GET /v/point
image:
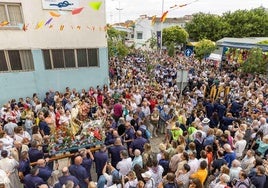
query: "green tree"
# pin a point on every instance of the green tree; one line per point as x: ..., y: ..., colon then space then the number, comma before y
x: 256, y: 62
x: 171, y: 49
x: 203, y: 48
x: 152, y: 41
x: 247, y: 23
x: 116, y: 45
x: 206, y: 26
x: 175, y: 35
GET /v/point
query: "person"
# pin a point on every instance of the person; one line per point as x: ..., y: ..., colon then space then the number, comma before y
x: 17, y: 150
x: 149, y: 181
x: 10, y: 165
x: 138, y: 143
x: 164, y: 162
x: 100, y: 159
x: 235, y: 169
x: 183, y: 176
x: 43, y: 126
x: 201, y: 173
x: 4, y: 180
x: 32, y: 180
x: 195, y: 183
x: 263, y: 146
x: 24, y: 167
x: 169, y: 181
x: 137, y: 160
x: 88, y: 158
x: 35, y: 152
x: 66, y: 176
x: 223, y: 183
x: 115, y: 150
x: 218, y: 163
x: 242, y: 182
x: 79, y: 172
x: 230, y: 155
x: 259, y: 178
x: 109, y: 177
x: 154, y: 120
x: 124, y: 166
x: 44, y: 171
x: 248, y: 161
x: 9, y: 127
x: 6, y: 140
x: 213, y: 179
x: 131, y: 179
x: 240, y: 145
x: 129, y: 135
x: 156, y: 171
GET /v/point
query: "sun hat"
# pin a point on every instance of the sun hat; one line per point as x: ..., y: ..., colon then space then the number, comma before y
x: 205, y: 121
x: 146, y: 174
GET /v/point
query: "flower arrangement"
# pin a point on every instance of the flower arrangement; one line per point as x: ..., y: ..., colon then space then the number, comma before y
x: 63, y: 140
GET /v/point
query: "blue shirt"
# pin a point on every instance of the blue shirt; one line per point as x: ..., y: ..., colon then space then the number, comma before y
x: 100, y: 159
x: 44, y: 172
x: 87, y: 163
x: 63, y: 180
x: 115, y: 154
x: 24, y: 167
x: 129, y: 135
x: 44, y: 127
x: 31, y: 181
x: 80, y: 173
x: 138, y: 143
x: 35, y: 154
x: 229, y: 157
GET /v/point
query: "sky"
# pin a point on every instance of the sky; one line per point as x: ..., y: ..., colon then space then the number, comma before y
x: 132, y: 9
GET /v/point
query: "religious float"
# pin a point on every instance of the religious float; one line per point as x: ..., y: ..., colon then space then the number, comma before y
x: 77, y: 136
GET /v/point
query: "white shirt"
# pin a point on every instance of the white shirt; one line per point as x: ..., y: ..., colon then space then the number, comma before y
x: 124, y: 166
x: 194, y: 164
x: 240, y: 146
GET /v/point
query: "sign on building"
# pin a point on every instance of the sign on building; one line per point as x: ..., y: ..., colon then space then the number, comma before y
x: 60, y: 4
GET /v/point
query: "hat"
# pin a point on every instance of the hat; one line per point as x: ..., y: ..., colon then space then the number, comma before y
x: 146, y: 174
x: 205, y: 121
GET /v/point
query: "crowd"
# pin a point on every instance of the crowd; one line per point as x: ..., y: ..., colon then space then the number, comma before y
x: 215, y: 131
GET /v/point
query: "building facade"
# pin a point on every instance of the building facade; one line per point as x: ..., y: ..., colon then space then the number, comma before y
x: 144, y: 28
x: 51, y: 44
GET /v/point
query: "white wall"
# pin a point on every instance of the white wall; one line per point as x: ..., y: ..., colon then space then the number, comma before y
x: 54, y: 38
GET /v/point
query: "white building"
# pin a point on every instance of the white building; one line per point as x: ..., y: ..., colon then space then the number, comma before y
x: 144, y: 29
x: 44, y: 45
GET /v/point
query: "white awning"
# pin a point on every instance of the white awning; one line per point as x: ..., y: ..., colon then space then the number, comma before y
x: 216, y: 57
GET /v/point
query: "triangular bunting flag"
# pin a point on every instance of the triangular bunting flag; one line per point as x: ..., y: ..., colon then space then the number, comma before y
x: 48, y: 22
x: 95, y: 5
x: 40, y: 24
x: 54, y: 14
x: 77, y: 11
x: 164, y: 16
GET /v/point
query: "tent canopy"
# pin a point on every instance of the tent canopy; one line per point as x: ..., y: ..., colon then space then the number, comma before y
x: 244, y: 43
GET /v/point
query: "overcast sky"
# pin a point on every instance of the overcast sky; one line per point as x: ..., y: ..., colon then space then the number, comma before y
x: 132, y: 9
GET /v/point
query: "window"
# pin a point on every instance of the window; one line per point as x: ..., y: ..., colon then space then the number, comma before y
x: 70, y: 58
x: 16, y: 60
x: 3, y: 62
x: 139, y: 35
x: 12, y: 13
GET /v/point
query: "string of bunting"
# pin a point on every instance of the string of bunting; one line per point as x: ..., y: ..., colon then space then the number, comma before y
x: 96, y: 5
x: 164, y: 15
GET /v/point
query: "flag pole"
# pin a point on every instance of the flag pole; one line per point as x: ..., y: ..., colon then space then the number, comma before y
x: 161, y: 28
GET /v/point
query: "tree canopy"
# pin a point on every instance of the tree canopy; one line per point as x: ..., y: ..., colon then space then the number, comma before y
x: 204, y: 48
x: 116, y: 46
x: 175, y: 35
x: 241, y: 23
x: 256, y: 62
